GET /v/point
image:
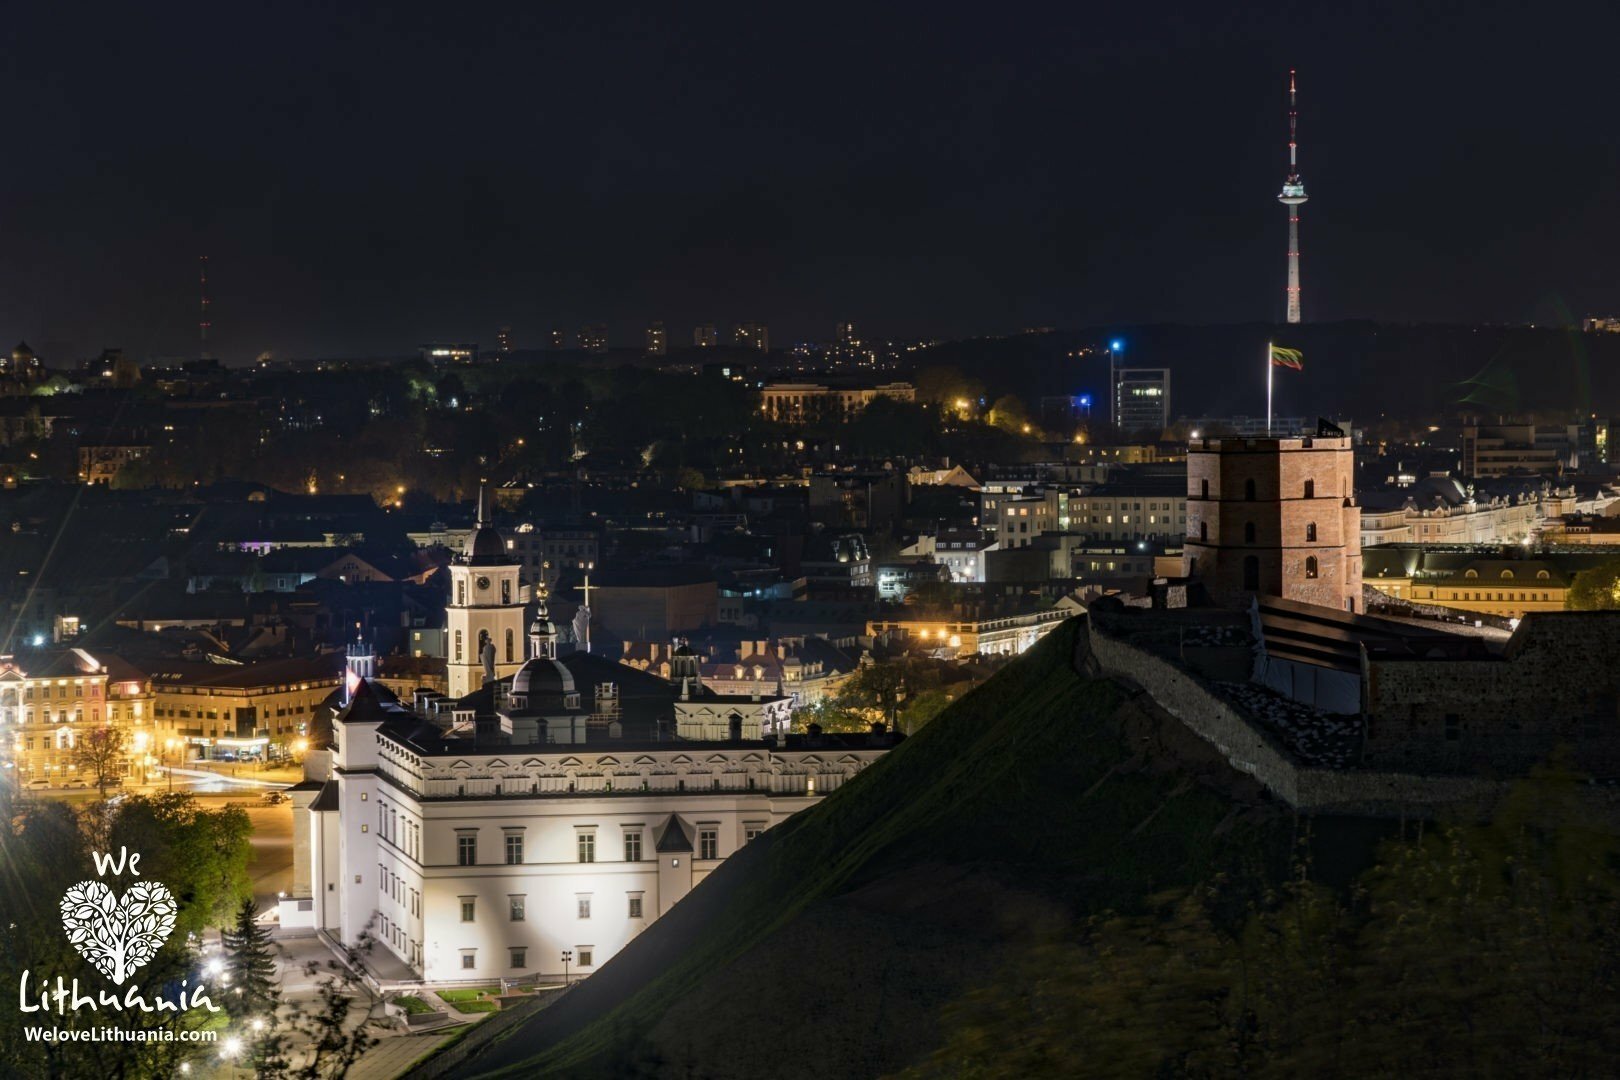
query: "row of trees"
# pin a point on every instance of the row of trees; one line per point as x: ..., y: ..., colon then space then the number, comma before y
x: 903, y: 694
x: 1467, y: 950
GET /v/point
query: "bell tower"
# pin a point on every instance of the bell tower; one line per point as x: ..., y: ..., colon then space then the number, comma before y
x: 484, y: 618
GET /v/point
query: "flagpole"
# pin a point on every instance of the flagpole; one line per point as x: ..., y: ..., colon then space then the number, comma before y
x: 1269, y: 367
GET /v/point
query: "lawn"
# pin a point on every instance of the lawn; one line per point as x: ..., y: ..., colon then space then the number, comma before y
x: 482, y: 1005
x: 413, y: 1005
x: 467, y: 994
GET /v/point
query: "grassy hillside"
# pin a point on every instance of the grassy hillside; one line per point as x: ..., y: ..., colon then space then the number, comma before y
x: 829, y: 946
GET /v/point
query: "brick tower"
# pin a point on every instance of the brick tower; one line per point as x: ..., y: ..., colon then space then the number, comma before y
x: 1276, y: 517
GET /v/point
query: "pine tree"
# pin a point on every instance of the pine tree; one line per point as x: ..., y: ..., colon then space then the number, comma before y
x: 251, y: 963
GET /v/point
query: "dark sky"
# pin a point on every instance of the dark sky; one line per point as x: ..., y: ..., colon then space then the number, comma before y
x: 365, y: 179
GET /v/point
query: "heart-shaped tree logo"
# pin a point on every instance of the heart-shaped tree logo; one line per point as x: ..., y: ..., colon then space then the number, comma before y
x: 118, y: 935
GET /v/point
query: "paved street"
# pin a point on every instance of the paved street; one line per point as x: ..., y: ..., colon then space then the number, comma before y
x: 271, y: 863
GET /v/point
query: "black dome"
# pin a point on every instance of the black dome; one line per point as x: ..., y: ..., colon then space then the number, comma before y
x: 485, y: 547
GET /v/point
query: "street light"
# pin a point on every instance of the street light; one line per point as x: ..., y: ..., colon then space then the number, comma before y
x: 1115, y: 347
x: 567, y: 958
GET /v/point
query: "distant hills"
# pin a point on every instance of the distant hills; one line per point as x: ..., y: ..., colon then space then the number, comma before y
x: 1352, y: 369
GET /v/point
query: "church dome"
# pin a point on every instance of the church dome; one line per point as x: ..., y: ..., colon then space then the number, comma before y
x: 485, y: 546
x: 541, y: 675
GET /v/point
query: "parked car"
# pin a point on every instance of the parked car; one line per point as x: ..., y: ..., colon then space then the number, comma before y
x: 275, y: 798
x: 38, y: 784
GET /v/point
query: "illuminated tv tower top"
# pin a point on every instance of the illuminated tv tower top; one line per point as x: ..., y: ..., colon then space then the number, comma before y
x: 1293, y: 193
x: 1293, y: 190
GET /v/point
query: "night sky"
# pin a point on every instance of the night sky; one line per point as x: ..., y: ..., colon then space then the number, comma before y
x: 368, y: 179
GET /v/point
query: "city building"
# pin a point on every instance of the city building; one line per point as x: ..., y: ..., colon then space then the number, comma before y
x: 594, y: 338
x: 557, y: 339
x: 1445, y: 510
x: 963, y: 551
x: 450, y: 353
x: 261, y: 711
x: 484, y: 615
x: 518, y: 834
x: 1275, y: 517
x: 503, y: 339
x: 1133, y: 507
x: 705, y: 336
x: 797, y: 403
x: 657, y: 339
x: 53, y: 699
x: 101, y: 460
x: 997, y: 631
x: 1142, y: 399
x: 752, y: 336
x: 1490, y: 450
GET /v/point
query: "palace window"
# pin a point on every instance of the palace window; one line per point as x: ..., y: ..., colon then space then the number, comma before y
x: 468, y: 959
x: 468, y: 908
x: 584, y: 907
x: 635, y: 907
x: 587, y: 846
x: 632, y: 846
x: 514, y: 849
x: 466, y: 851
x: 708, y: 844
x: 520, y: 958
x: 516, y: 908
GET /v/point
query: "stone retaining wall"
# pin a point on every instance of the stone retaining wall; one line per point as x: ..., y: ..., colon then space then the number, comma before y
x: 1251, y: 749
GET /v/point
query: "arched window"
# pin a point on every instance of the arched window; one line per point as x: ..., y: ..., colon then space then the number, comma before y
x: 1310, y: 532
x: 1251, y: 573
x: 1203, y: 489
x: 1507, y: 575
x: 1471, y: 573
x: 1248, y: 532
x: 1310, y: 566
x: 1203, y: 530
x: 509, y: 653
x: 1248, y: 490
x: 1542, y: 575
x: 1310, y: 489
x: 458, y: 646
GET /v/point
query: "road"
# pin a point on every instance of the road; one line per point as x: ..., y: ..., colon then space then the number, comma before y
x: 270, y: 865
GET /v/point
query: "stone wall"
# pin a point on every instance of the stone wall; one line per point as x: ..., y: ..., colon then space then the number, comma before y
x: 1252, y: 750
x: 1557, y: 683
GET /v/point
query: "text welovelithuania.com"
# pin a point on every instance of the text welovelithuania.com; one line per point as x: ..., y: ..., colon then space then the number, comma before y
x: 36, y: 1033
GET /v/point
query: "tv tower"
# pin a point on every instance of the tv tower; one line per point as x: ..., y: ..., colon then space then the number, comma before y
x: 202, y: 322
x: 1293, y: 194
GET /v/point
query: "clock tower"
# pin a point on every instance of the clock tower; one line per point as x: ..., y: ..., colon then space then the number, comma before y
x: 484, y: 617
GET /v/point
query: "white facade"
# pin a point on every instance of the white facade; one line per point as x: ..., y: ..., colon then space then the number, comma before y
x: 489, y: 864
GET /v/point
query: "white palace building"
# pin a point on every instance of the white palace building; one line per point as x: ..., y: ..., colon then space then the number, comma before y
x: 560, y: 808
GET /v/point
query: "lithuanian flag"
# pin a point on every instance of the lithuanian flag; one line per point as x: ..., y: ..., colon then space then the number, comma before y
x: 1288, y: 358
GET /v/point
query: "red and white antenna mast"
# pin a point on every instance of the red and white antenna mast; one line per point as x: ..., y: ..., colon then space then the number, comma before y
x: 202, y: 321
x: 1293, y: 195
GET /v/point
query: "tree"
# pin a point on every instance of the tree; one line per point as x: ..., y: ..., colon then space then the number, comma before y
x: 251, y: 962
x: 1595, y: 589
x: 1009, y: 414
x: 101, y: 753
